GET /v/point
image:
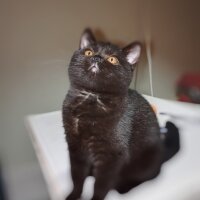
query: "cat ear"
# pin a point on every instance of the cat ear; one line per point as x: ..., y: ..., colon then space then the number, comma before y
x: 87, y: 38
x: 132, y: 52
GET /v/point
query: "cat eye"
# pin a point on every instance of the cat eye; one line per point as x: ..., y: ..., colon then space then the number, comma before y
x: 88, y: 53
x: 113, y: 60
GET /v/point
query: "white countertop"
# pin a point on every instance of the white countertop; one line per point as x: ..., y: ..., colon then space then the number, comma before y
x: 179, y: 178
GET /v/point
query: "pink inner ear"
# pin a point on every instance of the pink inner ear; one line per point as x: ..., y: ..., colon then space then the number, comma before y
x: 84, y: 41
x: 87, y: 38
x: 133, y: 55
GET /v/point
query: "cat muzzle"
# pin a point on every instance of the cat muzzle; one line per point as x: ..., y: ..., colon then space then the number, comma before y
x: 94, y: 67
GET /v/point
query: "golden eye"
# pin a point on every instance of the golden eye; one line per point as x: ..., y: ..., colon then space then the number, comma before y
x: 113, y: 60
x: 88, y: 53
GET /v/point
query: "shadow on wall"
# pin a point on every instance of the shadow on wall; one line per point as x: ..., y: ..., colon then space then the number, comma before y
x: 3, y: 195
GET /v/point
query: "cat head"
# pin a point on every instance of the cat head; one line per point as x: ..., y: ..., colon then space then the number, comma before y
x: 103, y: 67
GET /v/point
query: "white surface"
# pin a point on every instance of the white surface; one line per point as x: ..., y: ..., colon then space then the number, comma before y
x: 179, y: 178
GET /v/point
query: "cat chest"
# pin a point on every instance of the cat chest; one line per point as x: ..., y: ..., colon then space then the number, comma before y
x: 86, y: 102
x: 87, y: 126
x: 95, y: 139
x: 95, y: 149
x: 91, y: 114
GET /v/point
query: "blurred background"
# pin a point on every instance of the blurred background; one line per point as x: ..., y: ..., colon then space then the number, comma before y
x: 37, y: 39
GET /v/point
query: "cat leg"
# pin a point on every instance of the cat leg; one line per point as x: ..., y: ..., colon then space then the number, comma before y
x: 126, y: 186
x: 103, y: 183
x: 132, y: 177
x: 79, y: 171
x: 105, y: 177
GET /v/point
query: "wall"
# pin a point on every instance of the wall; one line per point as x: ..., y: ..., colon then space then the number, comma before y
x: 174, y: 31
x: 38, y: 38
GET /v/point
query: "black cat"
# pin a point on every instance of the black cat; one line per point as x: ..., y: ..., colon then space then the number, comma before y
x: 112, y: 131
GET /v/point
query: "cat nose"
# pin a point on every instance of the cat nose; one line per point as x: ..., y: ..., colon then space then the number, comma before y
x: 97, y: 59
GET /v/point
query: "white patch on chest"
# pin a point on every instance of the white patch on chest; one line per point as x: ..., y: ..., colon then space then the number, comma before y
x: 86, y: 95
x: 101, y: 104
x: 76, y: 124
